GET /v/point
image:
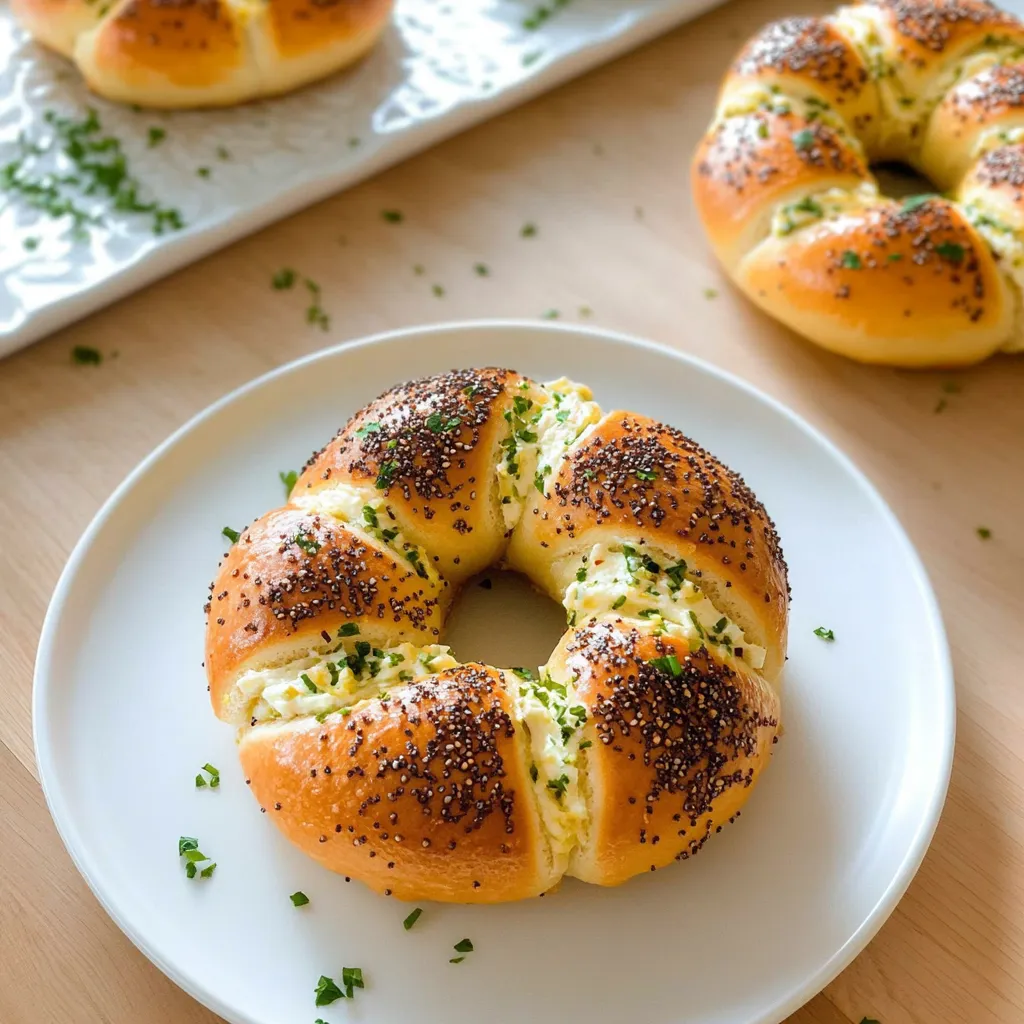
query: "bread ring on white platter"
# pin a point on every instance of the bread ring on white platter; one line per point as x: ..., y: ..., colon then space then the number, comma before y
x: 379, y: 755
x: 204, y: 53
x: 783, y: 186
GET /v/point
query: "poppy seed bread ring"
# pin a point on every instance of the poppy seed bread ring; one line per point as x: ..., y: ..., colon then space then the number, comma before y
x: 383, y: 758
x: 782, y: 182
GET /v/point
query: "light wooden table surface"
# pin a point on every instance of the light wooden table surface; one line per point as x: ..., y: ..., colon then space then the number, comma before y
x: 600, y: 167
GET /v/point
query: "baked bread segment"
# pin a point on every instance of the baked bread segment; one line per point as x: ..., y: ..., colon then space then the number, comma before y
x: 424, y: 793
x: 429, y: 449
x: 294, y: 580
x: 204, y: 53
x: 636, y: 482
x: 675, y: 737
x: 900, y: 285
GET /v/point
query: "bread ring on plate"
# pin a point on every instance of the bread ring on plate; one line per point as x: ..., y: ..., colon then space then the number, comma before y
x: 383, y: 758
x: 204, y: 53
x: 783, y: 187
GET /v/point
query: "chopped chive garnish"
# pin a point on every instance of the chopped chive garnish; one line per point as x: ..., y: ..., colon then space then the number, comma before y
x: 619, y: 602
x: 850, y: 260
x: 289, y: 479
x: 586, y: 743
x: 283, y: 279
x: 310, y: 685
x: 299, y: 899
x: 348, y: 629
x: 825, y: 634
x: 984, y: 532
x: 232, y: 535
x: 463, y: 946
x: 86, y: 355
x: 327, y: 991
x: 393, y: 216
x: 528, y: 230
x: 412, y: 918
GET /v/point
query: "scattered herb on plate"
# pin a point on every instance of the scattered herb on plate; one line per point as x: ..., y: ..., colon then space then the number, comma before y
x: 825, y: 634
x: 299, y: 899
x: 188, y: 848
x: 232, y: 535
x: 289, y: 479
x: 984, y: 532
x: 412, y: 918
x: 213, y: 773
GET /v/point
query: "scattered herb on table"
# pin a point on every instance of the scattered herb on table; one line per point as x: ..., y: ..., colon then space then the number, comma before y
x: 223, y: 153
x: 710, y: 293
x: 984, y: 532
x: 213, y: 773
x: 550, y: 314
x: 462, y: 946
x: 393, y: 216
x: 283, y: 279
x: 86, y: 355
x: 419, y: 270
x: 438, y: 291
x: 203, y: 172
x: 825, y: 634
x: 354, y: 142
x: 315, y: 312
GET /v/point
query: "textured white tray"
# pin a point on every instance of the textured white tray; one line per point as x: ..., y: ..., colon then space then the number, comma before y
x: 442, y: 67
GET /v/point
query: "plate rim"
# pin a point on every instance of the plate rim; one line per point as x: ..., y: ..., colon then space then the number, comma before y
x: 945, y: 685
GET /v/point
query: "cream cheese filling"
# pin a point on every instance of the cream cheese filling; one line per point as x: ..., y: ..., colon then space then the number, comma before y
x: 371, y: 516
x: 553, y: 720
x: 825, y: 205
x: 544, y: 422
x: 320, y: 684
x: 627, y: 581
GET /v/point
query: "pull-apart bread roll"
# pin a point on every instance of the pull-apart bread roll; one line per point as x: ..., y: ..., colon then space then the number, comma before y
x: 382, y: 757
x: 782, y: 183
x: 204, y: 53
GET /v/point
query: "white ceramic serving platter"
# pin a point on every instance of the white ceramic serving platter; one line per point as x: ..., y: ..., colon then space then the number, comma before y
x: 442, y: 66
x: 772, y: 909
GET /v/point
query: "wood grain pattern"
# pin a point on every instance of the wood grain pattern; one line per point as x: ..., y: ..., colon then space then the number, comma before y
x: 600, y: 168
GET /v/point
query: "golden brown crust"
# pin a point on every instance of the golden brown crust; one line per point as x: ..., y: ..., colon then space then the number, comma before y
x: 645, y: 483
x: 809, y: 57
x: 293, y: 579
x: 429, y: 448
x: 678, y: 739
x: 189, y: 44
x: 202, y: 53
x: 907, y: 286
x: 749, y: 163
x: 425, y: 795
x: 298, y: 27
x: 991, y: 100
x: 57, y: 23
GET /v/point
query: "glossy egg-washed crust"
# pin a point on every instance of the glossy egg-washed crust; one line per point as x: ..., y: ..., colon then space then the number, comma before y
x: 194, y: 53
x: 373, y: 793
x: 918, y: 314
x: 648, y: 484
x: 672, y: 755
x: 424, y: 795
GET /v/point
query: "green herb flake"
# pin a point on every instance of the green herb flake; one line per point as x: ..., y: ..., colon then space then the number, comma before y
x: 481, y: 270
x: 463, y: 946
x: 31, y: 243
x: 710, y: 293
x: 289, y: 479
x: 351, y: 978
x: 232, y: 535
x: 368, y: 428
x: 669, y: 663
x: 803, y: 139
x: 348, y: 629
x: 456, y: 960
x: 385, y: 473
x: 825, y: 634
x: 299, y: 899
x: 618, y: 602
x: 200, y: 782
x: 951, y: 251
x: 307, y: 543
x: 412, y: 918
x: 584, y: 744
x: 393, y: 216
x: 309, y: 684
x: 550, y: 314
x: 916, y: 202
x: 647, y: 474
x: 283, y: 279
x: 222, y: 153
x: 327, y: 991
x: 438, y: 290
x: 850, y: 260
x: 155, y: 136
x: 528, y: 230
x: 214, y: 774
x: 86, y: 355
x: 558, y: 787
x: 203, y: 172
x: 984, y: 532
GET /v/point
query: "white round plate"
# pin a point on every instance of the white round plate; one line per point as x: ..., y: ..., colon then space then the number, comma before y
x: 773, y: 908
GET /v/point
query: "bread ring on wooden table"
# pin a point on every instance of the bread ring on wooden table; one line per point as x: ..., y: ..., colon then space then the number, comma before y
x: 382, y: 757
x: 204, y: 53
x: 783, y: 186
